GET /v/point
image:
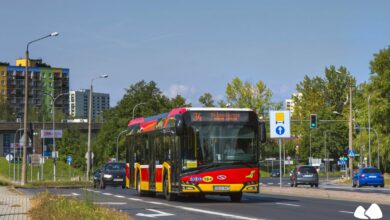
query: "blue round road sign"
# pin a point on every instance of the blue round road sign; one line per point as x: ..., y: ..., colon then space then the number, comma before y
x: 280, y: 130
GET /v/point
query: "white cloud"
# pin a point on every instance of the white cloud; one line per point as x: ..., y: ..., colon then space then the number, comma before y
x: 180, y: 89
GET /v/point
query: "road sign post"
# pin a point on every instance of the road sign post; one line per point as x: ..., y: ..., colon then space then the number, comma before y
x: 280, y: 128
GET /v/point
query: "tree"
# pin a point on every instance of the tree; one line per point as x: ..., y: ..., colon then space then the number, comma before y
x: 379, y: 90
x: 117, y: 118
x: 245, y: 95
x: 207, y: 100
x: 322, y: 96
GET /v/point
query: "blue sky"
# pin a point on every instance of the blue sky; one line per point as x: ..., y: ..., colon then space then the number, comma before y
x: 193, y: 47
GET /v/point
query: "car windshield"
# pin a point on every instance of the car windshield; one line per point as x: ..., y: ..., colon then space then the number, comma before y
x: 371, y: 170
x: 115, y: 166
x: 307, y: 170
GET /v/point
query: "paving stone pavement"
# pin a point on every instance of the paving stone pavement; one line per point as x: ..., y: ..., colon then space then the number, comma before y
x: 13, y: 206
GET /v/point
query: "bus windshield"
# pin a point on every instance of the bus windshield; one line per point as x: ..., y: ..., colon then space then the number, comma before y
x: 208, y: 144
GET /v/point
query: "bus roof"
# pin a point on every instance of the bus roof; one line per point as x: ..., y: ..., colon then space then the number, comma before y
x: 160, y: 121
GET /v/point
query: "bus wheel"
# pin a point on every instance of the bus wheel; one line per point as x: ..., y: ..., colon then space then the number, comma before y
x: 168, y: 196
x: 236, y: 197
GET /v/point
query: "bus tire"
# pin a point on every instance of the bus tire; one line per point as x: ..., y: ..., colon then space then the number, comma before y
x: 236, y: 197
x: 168, y: 196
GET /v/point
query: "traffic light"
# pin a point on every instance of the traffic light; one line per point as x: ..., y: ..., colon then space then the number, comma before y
x: 313, y: 120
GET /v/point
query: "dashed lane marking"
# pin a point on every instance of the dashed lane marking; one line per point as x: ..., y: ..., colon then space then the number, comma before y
x: 287, y: 204
x: 347, y: 212
x: 75, y: 194
x: 181, y: 207
x: 119, y: 196
x: 215, y: 213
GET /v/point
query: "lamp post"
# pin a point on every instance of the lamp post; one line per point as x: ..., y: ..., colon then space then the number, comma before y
x: 117, y: 141
x: 141, y: 103
x: 369, y: 131
x: 20, y: 129
x: 90, y: 123
x: 25, y: 119
x: 53, y: 100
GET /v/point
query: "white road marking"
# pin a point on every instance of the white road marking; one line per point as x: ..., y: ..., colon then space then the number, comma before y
x: 288, y: 204
x: 159, y: 214
x: 109, y: 203
x: 134, y: 199
x: 75, y: 194
x: 107, y: 194
x: 118, y: 196
x: 346, y: 212
x: 215, y: 213
x: 156, y: 203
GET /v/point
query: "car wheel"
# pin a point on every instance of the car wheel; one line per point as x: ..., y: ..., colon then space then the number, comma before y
x: 383, y: 185
x: 316, y: 185
x: 358, y: 184
x: 311, y: 185
x: 236, y: 197
x: 295, y: 184
x: 168, y: 196
x: 375, y: 186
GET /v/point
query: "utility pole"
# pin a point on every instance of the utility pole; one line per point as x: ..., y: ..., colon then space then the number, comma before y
x: 350, y: 128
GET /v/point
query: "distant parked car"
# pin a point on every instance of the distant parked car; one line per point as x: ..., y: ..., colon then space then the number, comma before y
x: 96, y: 177
x: 368, y: 176
x: 113, y: 174
x: 275, y: 173
x: 304, y: 175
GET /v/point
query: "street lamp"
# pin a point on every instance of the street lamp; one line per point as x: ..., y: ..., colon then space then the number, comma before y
x: 141, y: 103
x: 117, y: 140
x: 24, y: 170
x: 369, y: 131
x: 90, y: 122
x: 53, y: 100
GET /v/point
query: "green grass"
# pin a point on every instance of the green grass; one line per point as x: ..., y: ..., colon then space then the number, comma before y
x: 49, y: 206
x: 63, y: 171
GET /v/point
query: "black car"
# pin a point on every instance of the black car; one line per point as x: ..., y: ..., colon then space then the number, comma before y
x: 113, y: 174
x: 304, y: 175
x: 275, y: 173
x: 96, y: 177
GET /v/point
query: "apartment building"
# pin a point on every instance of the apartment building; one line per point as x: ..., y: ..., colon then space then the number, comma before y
x: 79, y: 102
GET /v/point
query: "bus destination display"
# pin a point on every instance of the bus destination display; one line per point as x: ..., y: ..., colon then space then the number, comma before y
x: 219, y: 116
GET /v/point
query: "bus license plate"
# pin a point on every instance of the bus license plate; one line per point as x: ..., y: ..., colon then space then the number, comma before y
x: 221, y: 188
x: 118, y: 180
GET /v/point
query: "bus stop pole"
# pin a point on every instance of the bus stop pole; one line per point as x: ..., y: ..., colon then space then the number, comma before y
x: 280, y: 162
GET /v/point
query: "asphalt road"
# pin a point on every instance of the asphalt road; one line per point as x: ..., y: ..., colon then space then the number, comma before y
x: 328, y: 185
x: 253, y: 206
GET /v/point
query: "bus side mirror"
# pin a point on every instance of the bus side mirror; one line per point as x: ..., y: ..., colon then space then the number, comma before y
x: 179, y: 124
x: 262, y: 132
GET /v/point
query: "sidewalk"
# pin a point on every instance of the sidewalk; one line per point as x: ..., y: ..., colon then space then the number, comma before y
x: 13, y: 206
